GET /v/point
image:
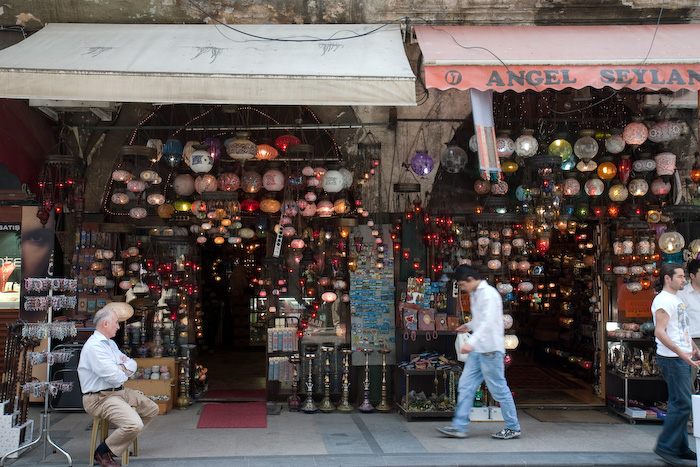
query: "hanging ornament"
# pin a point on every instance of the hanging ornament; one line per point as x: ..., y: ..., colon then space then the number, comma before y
x: 421, y: 163
x: 453, y: 159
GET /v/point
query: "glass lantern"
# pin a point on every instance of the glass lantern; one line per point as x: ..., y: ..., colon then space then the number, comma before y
x: 671, y: 242
x: 586, y: 147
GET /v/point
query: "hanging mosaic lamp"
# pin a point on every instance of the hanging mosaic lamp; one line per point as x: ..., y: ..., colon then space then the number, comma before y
x: 665, y: 163
x: 505, y: 147
x: 560, y: 147
x: 618, y: 193
x: 241, y: 148
x: 638, y: 187
x: 671, y: 242
x: 586, y: 147
x: 594, y: 187
x: 266, y: 152
x: 526, y: 144
x: 635, y: 133
x: 172, y: 152
x: 607, y: 170
x: 615, y: 143
x: 228, y: 181
x: 659, y: 187
x: 251, y: 182
x: 664, y: 131
x: 273, y: 180
x: 201, y: 161
x: 183, y: 185
x: 332, y: 181
x: 285, y: 141
x: 571, y: 187
x: 624, y: 168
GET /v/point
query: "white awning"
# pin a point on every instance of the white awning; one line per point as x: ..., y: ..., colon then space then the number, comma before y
x: 351, y: 64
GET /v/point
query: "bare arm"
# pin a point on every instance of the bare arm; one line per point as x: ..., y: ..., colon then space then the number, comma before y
x: 662, y: 319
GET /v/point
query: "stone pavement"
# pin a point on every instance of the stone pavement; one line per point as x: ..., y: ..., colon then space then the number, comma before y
x: 357, y: 439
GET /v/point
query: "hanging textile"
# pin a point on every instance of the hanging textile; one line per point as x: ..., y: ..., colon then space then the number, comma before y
x: 482, y: 107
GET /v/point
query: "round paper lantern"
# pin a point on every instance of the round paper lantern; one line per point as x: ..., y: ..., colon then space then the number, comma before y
x: 309, y: 210
x: 183, y: 185
x: 638, y: 187
x: 671, y: 242
x: 121, y: 175
x: 251, y: 182
x: 270, y: 205
x: 504, y: 288
x: 136, y: 186
x: 660, y: 188
x: 453, y: 159
x: 266, y: 152
x: 615, y: 144
x: 607, y: 170
x: 332, y: 181
x: 166, y: 211
x: 120, y: 198
x: 525, y: 287
x: 138, y: 213
x: 571, y: 187
x: 201, y: 161
x: 228, y: 181
x: 249, y: 205
x: 665, y: 163
x: 618, y: 193
x: 482, y: 187
x: 663, y: 132
x: 172, y: 152
x: 594, y: 187
x: 505, y: 147
x: 421, y: 163
x: 586, y: 147
x: 526, y: 145
x: 347, y: 177
x: 635, y: 133
x: 206, y: 182
x: 273, y: 180
x: 182, y: 205
x: 241, y: 148
x: 560, y: 147
x: 324, y: 208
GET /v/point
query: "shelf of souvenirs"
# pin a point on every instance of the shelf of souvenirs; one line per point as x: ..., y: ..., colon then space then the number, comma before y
x: 632, y: 376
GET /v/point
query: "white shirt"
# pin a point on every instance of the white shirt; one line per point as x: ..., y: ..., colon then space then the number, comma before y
x: 98, y: 367
x: 677, y: 327
x: 691, y: 300
x: 486, y: 326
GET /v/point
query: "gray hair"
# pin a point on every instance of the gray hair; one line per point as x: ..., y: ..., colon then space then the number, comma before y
x: 102, y: 315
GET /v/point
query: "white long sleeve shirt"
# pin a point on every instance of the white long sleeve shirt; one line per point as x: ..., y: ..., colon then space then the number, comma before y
x: 98, y: 368
x: 486, y: 325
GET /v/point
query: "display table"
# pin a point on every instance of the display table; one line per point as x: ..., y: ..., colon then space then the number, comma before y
x: 157, y: 387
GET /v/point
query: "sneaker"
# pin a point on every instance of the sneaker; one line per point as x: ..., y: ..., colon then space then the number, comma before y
x: 452, y: 432
x: 506, y: 433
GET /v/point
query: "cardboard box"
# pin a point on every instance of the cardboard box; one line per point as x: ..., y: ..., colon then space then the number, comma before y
x: 157, y: 387
x: 479, y: 414
x: 635, y: 413
x: 495, y: 414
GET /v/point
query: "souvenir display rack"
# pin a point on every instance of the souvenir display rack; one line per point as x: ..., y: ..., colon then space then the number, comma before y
x: 41, y: 297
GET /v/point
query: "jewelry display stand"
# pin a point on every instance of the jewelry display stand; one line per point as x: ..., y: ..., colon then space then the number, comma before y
x: 47, y: 330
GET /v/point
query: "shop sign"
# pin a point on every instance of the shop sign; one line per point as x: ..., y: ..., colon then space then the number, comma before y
x: 9, y: 227
x: 631, y: 305
x: 522, y: 78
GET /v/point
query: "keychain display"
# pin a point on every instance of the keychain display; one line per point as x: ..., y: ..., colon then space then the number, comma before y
x: 42, y: 303
x: 58, y: 356
x: 43, y: 330
x: 40, y: 388
x: 57, y: 284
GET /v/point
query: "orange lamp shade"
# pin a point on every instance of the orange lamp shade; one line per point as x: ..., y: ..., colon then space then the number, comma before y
x: 607, y: 170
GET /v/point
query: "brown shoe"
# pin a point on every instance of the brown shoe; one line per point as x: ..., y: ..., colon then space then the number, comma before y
x: 106, y: 460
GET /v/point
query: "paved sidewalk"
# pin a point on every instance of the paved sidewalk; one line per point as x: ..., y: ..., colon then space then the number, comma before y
x: 357, y: 439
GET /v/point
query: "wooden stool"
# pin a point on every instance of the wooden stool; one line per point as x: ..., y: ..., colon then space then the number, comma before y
x: 102, y: 424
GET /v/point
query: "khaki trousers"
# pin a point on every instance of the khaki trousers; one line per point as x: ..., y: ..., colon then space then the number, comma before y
x: 128, y: 409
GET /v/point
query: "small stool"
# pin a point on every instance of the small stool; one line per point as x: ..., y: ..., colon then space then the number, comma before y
x: 102, y: 424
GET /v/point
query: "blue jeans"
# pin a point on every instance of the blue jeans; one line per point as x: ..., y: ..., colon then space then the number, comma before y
x: 484, y: 367
x: 674, y: 435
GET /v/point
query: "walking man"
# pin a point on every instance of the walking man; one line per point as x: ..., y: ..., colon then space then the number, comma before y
x: 674, y: 351
x: 486, y: 349
x: 690, y: 296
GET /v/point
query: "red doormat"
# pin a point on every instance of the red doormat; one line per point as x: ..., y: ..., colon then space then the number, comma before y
x: 233, y: 395
x: 239, y: 415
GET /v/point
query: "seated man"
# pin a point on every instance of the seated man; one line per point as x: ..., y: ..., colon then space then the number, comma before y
x: 102, y: 370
